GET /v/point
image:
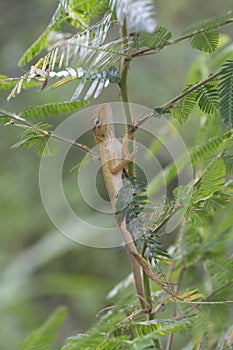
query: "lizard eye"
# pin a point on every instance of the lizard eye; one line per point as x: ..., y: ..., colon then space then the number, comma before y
x: 98, y: 122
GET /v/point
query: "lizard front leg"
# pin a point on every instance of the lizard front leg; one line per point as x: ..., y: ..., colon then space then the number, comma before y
x: 127, y: 157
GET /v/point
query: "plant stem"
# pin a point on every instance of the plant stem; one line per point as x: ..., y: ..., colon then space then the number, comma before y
x: 124, y: 67
x: 131, y: 168
x: 124, y: 91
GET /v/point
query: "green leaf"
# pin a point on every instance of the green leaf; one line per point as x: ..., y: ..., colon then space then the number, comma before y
x: 85, y: 161
x: 44, y: 336
x: 78, y: 13
x: 141, y: 217
x: 161, y: 327
x: 61, y: 11
x: 213, y: 179
x: 35, y: 136
x: 207, y: 98
x: 93, y: 8
x: 28, y: 141
x: 154, y: 41
x: 215, y: 143
x: 184, y: 107
x: 46, y: 110
x: 101, y: 335
x: 35, y: 48
x: 206, y: 41
x: 226, y: 92
x: 228, y: 160
x: 131, y: 199
x: 190, y: 244
x: 137, y: 14
x: 5, y: 120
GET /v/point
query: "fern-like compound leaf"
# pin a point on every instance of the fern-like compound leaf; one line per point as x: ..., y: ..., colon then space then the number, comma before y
x: 228, y: 160
x: 34, y: 137
x: 43, y: 337
x: 213, y: 145
x: 184, y: 107
x: 133, y: 205
x: 207, y: 98
x: 154, y: 41
x: 226, y: 92
x: 212, y: 180
x: 35, y: 48
x: 40, y: 112
x: 206, y: 41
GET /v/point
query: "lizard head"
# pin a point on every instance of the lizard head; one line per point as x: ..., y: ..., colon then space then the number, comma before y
x: 101, y: 122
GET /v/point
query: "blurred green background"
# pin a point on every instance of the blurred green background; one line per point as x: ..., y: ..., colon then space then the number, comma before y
x: 39, y: 268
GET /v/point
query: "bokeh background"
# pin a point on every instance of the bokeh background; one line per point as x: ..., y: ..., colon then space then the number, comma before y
x: 39, y: 268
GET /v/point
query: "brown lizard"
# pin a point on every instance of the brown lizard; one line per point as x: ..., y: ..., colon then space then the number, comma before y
x: 114, y: 157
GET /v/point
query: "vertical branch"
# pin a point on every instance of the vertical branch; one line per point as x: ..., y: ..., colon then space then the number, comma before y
x: 124, y: 69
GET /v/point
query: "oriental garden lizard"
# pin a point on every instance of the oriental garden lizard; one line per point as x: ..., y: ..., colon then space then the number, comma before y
x: 114, y: 158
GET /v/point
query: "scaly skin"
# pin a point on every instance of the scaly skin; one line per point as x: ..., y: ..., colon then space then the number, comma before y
x: 111, y: 151
x: 114, y: 157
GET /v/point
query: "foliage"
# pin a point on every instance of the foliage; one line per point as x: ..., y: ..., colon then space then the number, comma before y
x: 36, y: 112
x: 154, y: 41
x: 133, y: 204
x: 43, y: 337
x: 226, y: 92
x: 147, y: 332
x: 196, y: 270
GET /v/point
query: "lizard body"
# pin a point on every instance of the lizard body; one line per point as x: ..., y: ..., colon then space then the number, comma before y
x: 111, y: 152
x: 114, y: 157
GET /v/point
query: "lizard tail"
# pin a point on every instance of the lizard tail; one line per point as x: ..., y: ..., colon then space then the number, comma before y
x: 131, y: 250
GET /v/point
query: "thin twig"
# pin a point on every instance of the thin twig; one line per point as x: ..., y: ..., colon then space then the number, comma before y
x: 189, y: 90
x: 149, y: 51
x: 170, y: 103
x: 49, y: 133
